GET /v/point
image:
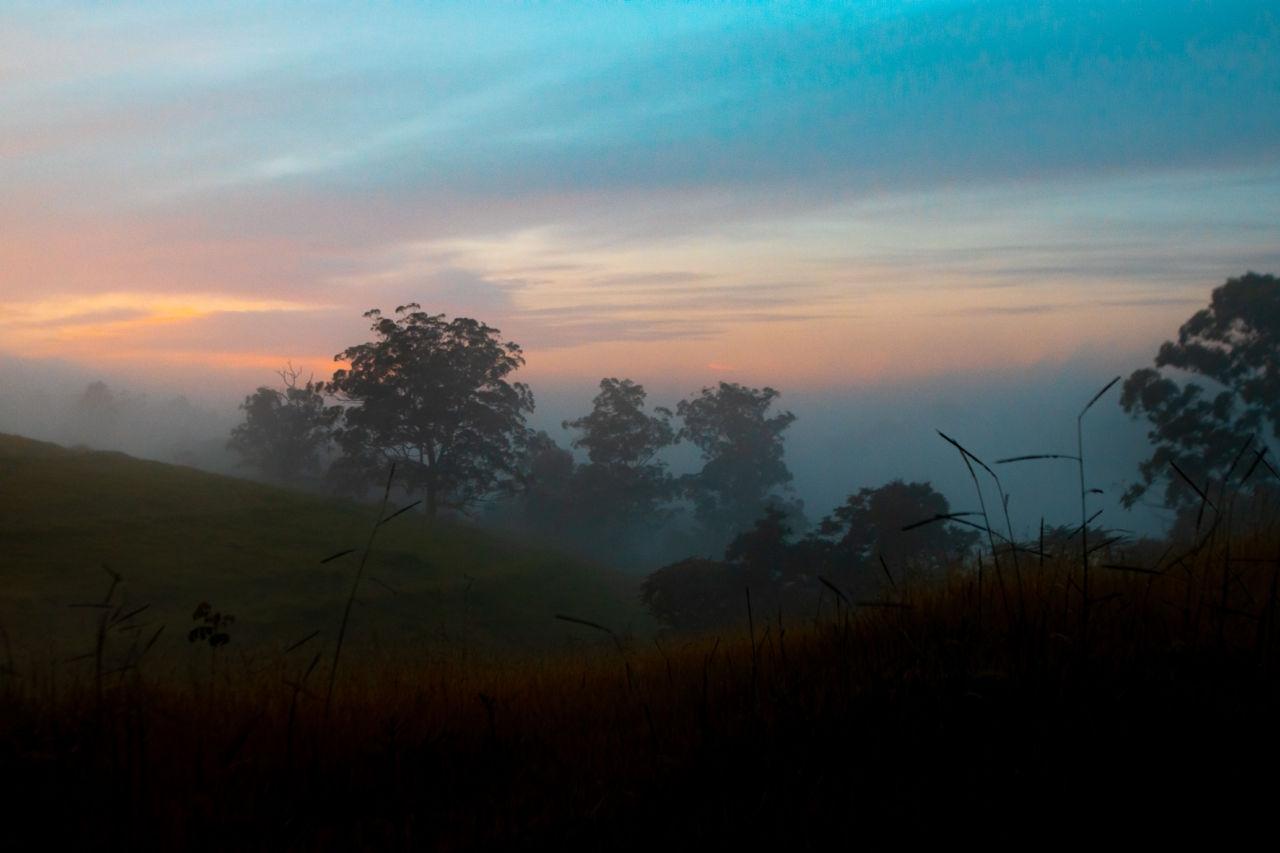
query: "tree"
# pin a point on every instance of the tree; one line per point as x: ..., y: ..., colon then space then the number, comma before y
x: 695, y: 594
x: 546, y: 497
x: 1233, y: 348
x: 778, y: 573
x: 98, y: 399
x: 97, y: 417
x: 762, y: 553
x: 285, y: 433
x: 742, y: 451
x: 432, y: 395
x: 623, y: 482
x: 868, y: 525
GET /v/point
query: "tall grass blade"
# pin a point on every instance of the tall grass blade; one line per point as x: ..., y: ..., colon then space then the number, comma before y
x: 355, y: 588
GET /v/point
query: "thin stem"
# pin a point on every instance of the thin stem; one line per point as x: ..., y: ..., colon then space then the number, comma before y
x: 1084, y: 529
x: 1084, y: 511
x: 355, y: 587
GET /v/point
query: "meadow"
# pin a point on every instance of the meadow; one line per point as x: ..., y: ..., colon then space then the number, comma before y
x: 986, y: 705
x: 176, y: 536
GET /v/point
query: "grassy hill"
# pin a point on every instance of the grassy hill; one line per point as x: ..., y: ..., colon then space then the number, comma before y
x: 179, y: 536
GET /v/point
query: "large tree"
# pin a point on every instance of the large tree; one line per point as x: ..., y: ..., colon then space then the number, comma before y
x: 743, y: 471
x: 286, y: 431
x: 624, y: 481
x: 1213, y: 392
x: 433, y: 396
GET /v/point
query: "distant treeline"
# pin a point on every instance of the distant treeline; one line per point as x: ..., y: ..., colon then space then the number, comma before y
x: 435, y: 398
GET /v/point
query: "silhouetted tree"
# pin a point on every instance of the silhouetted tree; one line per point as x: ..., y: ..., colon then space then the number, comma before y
x: 696, y: 594
x: 1233, y: 349
x: 432, y: 395
x: 97, y: 416
x: 743, y: 470
x: 868, y: 525
x: 286, y: 432
x: 761, y: 553
x: 780, y: 573
x: 547, y: 493
x: 623, y: 483
x: 98, y: 398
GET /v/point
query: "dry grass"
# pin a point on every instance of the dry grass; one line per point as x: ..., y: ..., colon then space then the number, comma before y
x: 872, y: 724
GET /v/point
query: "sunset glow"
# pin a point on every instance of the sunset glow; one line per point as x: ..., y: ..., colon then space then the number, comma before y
x: 799, y: 197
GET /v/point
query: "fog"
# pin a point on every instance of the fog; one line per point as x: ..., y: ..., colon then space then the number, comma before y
x: 68, y: 405
x: 842, y: 439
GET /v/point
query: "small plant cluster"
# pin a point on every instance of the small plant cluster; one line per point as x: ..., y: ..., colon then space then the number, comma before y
x: 212, y: 627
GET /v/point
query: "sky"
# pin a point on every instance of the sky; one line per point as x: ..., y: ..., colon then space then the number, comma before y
x: 875, y: 198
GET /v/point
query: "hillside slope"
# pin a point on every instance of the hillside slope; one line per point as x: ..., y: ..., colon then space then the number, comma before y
x: 179, y: 536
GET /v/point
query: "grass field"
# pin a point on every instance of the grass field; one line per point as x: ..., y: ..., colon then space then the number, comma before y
x: 178, y: 536
x: 986, y: 712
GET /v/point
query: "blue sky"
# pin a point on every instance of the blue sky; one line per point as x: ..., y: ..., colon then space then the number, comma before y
x: 199, y: 173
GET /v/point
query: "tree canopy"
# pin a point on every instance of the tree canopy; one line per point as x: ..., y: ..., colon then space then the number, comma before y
x: 869, y: 525
x: 433, y: 396
x: 793, y: 574
x: 546, y: 499
x: 1213, y: 392
x: 286, y: 432
x: 623, y: 479
x: 761, y: 561
x: 742, y: 449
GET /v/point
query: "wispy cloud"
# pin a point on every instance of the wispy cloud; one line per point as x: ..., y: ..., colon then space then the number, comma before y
x: 690, y: 180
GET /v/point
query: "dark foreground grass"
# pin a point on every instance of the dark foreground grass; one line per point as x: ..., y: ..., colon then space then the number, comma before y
x: 958, y: 716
